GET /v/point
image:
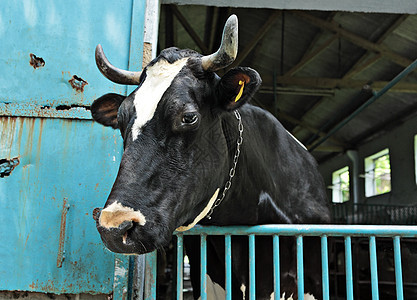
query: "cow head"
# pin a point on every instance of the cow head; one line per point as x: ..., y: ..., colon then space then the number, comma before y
x: 176, y: 154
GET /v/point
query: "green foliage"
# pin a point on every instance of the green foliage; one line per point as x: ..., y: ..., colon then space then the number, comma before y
x: 382, y: 174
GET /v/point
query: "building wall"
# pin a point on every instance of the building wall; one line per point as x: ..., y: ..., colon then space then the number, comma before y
x: 400, y: 141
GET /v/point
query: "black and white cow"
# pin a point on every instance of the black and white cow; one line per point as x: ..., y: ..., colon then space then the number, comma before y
x: 181, y: 129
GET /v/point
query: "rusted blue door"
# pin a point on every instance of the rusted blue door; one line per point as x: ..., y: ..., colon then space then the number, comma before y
x: 56, y: 165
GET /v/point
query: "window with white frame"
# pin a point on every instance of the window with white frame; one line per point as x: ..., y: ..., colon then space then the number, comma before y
x: 340, y: 185
x: 377, y: 174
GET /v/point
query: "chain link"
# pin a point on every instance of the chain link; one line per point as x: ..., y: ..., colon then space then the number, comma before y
x: 232, y: 171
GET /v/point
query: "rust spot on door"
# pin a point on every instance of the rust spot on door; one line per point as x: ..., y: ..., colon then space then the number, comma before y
x: 36, y: 62
x: 78, y: 83
x: 7, y: 166
x: 61, y: 250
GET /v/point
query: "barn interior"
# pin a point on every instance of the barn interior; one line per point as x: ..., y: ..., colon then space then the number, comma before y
x: 342, y: 82
x: 329, y: 71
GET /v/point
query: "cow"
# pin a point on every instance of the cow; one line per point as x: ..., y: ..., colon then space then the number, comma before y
x: 195, y: 151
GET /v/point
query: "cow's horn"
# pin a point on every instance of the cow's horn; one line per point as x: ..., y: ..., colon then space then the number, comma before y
x: 228, y: 49
x: 112, y: 73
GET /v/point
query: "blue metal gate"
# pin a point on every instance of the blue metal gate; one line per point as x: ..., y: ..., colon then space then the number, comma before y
x: 56, y: 164
x: 371, y: 232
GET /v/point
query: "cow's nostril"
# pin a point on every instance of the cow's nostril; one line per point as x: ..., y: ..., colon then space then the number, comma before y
x: 125, y: 226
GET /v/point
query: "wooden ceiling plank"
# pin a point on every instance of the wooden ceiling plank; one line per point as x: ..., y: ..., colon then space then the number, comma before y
x: 362, y: 64
x: 189, y: 29
x: 329, y: 83
x: 308, y: 53
x: 365, y: 62
x: 354, y: 38
x: 288, y: 118
x: 312, y: 54
x: 257, y: 37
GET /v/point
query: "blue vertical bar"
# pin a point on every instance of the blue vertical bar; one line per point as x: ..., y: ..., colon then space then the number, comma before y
x: 180, y: 265
x: 277, y: 282
x: 150, y: 275
x: 228, y: 258
x: 398, y: 268
x: 374, y: 269
x: 252, y: 284
x: 120, y: 282
x: 300, y: 267
x: 203, y: 267
x: 325, y: 268
x: 349, y: 273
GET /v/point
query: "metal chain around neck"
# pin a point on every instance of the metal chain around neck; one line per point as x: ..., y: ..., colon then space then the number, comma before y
x: 233, y: 169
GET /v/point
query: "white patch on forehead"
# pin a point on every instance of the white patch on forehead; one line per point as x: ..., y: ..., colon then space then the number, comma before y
x: 158, y: 79
x: 115, y: 214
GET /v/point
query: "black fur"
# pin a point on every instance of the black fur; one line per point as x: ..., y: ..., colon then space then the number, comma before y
x: 172, y: 169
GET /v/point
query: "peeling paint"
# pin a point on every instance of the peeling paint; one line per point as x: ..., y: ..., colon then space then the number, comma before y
x: 61, y: 250
x: 8, y: 165
x: 120, y: 271
x: 62, y: 111
x: 78, y: 83
x: 36, y: 62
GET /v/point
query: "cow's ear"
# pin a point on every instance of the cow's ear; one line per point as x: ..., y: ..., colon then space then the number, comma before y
x: 237, y: 86
x: 104, y: 109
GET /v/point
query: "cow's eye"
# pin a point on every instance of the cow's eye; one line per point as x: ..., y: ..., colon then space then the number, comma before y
x: 189, y: 118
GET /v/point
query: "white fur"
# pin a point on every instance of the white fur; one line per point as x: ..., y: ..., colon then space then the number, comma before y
x: 307, y: 296
x: 214, y: 290
x: 243, y: 289
x: 115, y: 214
x: 301, y: 144
x: 158, y: 79
x: 202, y: 214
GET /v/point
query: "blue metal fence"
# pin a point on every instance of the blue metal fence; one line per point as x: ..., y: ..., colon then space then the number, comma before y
x: 371, y: 232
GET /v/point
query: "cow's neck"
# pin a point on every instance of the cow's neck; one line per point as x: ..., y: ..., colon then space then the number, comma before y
x: 217, y: 199
x: 233, y: 167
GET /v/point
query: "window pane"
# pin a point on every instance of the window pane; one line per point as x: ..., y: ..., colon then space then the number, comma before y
x: 340, y: 185
x: 378, y: 174
x: 382, y: 175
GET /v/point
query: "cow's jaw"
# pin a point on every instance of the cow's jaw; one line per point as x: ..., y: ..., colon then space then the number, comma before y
x: 158, y: 79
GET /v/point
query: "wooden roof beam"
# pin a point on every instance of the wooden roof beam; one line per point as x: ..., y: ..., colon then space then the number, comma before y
x: 365, y: 62
x: 189, y: 29
x: 329, y: 83
x: 354, y: 38
x: 295, y: 121
x: 288, y: 118
x: 257, y: 37
x: 310, y: 56
x: 311, y: 51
